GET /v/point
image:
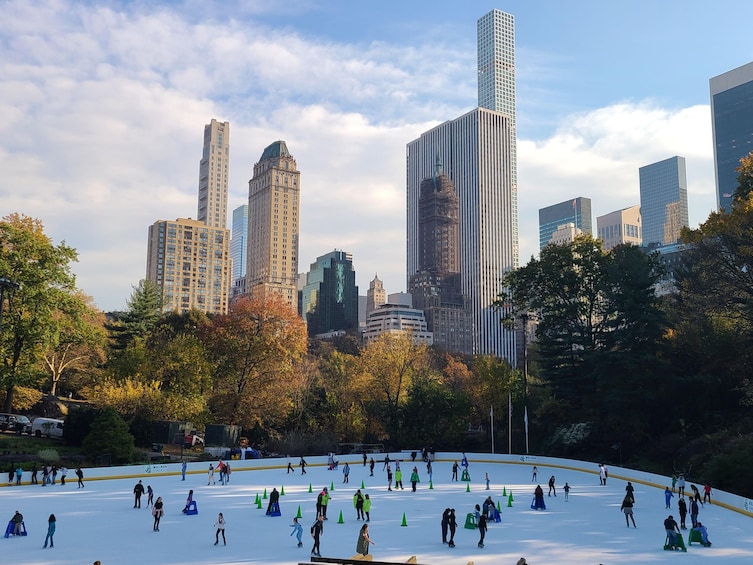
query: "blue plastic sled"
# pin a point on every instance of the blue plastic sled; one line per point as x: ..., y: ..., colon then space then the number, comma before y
x: 497, y: 516
x: 192, y: 509
x: 534, y: 507
x: 274, y: 510
x: 11, y: 528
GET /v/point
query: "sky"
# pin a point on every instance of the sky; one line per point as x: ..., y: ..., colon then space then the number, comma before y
x: 104, y: 105
x: 99, y: 521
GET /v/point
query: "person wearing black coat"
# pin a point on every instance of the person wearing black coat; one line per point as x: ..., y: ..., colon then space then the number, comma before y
x: 683, y: 508
x: 445, y: 524
x: 138, y: 490
x: 452, y: 525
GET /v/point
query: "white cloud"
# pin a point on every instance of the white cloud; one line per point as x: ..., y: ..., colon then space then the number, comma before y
x: 103, y: 122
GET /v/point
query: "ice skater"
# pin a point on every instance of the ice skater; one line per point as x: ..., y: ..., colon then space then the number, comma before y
x: 297, y: 530
x: 362, y: 545
x: 157, y: 512
x: 220, y: 525
x: 50, y: 531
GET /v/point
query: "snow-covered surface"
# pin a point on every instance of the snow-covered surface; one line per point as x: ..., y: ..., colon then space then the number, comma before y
x: 99, y: 522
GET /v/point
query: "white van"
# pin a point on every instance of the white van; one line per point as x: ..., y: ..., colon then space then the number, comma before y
x: 47, y: 427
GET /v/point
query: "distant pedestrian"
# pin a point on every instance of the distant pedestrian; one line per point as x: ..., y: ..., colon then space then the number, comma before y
x: 455, y: 471
x: 149, y: 496
x: 274, y: 501
x: 290, y: 468
x: 445, y: 524
x: 566, y: 488
x: 210, y: 473
x: 302, y: 464
x: 487, y: 481
x: 138, y: 490
x: 630, y: 491
x: 681, y: 485
x: 183, y: 468
x: 220, y: 525
x: 535, y: 474
x: 668, y: 496
x: 367, y: 507
x: 50, y: 531
x: 707, y: 493
x: 414, y: 479
x: 682, y: 507
x: 552, y: 487
x: 627, y: 509
x: 481, y: 529
x: 452, y: 525
x: 398, y: 477
x: 317, y: 530
x: 297, y: 530
x: 80, y: 475
x: 189, y: 500
x: 157, y: 512
x: 371, y: 467
x: 694, y: 512
x: 362, y: 545
x: 346, y: 472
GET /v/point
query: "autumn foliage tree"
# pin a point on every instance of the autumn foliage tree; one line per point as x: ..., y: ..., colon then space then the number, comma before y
x: 43, y: 271
x: 255, y: 348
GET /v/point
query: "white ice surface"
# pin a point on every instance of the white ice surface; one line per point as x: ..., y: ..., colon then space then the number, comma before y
x: 99, y: 521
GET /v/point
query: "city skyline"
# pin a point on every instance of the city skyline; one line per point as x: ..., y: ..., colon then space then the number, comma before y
x: 102, y: 120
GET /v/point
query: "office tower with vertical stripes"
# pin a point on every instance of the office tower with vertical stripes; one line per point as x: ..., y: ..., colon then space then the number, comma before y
x: 732, y: 128
x: 477, y: 151
x: 214, y: 169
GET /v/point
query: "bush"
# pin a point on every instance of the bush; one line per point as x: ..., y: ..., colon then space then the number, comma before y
x: 49, y: 455
x: 109, y: 434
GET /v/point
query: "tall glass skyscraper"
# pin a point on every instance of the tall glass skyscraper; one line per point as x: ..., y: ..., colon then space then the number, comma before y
x: 238, y: 241
x: 664, y: 201
x: 576, y: 211
x: 732, y: 127
x: 477, y: 151
x: 330, y: 297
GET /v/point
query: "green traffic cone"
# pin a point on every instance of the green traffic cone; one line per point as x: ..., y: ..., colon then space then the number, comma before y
x: 282, y: 490
x: 265, y: 493
x: 431, y: 485
x: 332, y: 485
x: 511, y: 498
x: 340, y: 519
x: 299, y: 512
x: 258, y: 504
x: 362, y: 485
x: 509, y: 501
x: 467, y: 487
x: 310, y: 490
x: 504, y: 491
x: 405, y: 522
x: 498, y: 506
x: 257, y: 499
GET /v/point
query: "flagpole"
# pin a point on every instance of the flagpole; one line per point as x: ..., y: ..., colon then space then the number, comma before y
x: 491, y: 417
x: 509, y: 424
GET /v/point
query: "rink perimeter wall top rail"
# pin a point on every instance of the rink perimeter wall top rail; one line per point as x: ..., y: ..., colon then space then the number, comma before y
x: 727, y: 500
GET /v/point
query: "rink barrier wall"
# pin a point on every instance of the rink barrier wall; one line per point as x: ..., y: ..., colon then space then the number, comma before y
x: 724, y: 499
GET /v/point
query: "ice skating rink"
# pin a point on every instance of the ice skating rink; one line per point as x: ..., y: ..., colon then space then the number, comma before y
x: 99, y: 522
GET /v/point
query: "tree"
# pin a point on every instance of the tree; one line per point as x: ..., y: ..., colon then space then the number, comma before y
x: 744, y: 179
x: 389, y: 364
x: 255, y: 348
x: 43, y: 271
x: 109, y: 435
x: 144, y: 311
x: 77, y: 340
